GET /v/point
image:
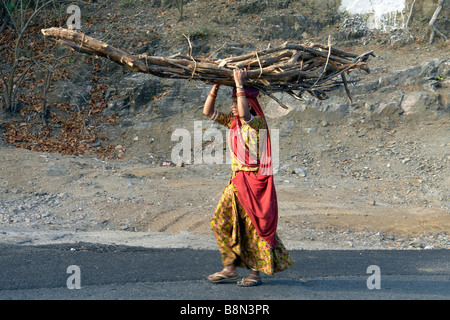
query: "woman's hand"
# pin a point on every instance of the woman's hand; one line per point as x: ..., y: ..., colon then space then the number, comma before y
x: 239, y: 76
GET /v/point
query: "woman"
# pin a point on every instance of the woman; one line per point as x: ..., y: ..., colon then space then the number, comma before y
x: 246, y: 217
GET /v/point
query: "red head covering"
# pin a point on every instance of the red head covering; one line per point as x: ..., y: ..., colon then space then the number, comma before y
x: 240, y: 149
x: 256, y: 193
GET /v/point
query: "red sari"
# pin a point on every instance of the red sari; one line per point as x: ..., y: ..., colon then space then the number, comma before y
x: 246, y: 217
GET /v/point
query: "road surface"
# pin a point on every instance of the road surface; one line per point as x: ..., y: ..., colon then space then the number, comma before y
x: 97, y: 271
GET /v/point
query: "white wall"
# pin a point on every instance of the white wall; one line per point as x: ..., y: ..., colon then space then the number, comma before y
x: 381, y: 14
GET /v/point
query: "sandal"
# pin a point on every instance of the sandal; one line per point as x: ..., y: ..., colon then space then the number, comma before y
x: 221, y: 276
x: 250, y: 281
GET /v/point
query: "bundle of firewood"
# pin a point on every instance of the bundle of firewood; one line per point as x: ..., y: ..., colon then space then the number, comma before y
x: 291, y: 68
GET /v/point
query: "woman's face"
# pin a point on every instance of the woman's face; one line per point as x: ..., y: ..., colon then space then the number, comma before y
x: 234, y: 108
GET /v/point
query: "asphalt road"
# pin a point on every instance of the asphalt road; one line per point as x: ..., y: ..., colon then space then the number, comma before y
x: 133, y: 273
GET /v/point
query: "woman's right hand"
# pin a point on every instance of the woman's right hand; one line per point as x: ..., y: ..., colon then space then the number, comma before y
x: 215, y: 88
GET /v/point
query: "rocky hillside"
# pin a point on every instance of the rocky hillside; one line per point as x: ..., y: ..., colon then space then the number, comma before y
x: 408, y: 80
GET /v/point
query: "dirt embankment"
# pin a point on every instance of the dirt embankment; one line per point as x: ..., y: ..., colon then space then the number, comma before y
x: 338, y: 187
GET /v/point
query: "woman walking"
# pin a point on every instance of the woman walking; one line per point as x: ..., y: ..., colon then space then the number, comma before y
x: 246, y: 217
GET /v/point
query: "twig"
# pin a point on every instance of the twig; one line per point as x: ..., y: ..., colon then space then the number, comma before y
x: 190, y: 55
x: 344, y: 79
x: 190, y: 45
x: 328, y: 59
x: 215, y: 51
x: 260, y: 66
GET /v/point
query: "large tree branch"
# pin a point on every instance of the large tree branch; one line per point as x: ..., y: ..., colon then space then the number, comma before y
x: 314, y: 68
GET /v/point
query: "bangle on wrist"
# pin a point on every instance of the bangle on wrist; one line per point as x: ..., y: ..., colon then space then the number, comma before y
x: 240, y: 94
x: 212, y: 95
x: 249, y: 120
x: 240, y: 87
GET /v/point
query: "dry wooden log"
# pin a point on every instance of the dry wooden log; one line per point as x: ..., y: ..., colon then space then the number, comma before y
x: 291, y: 68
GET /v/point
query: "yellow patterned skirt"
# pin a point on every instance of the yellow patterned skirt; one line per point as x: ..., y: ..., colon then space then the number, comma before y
x: 238, y: 241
